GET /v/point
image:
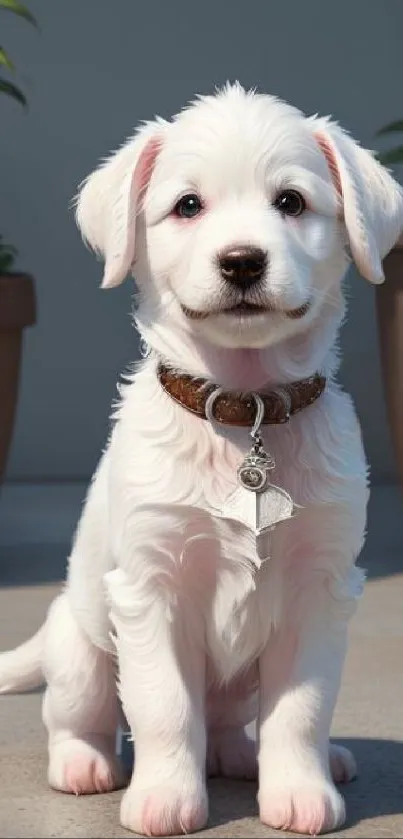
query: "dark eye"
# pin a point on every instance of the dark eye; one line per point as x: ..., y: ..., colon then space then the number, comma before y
x: 188, y: 206
x: 290, y: 203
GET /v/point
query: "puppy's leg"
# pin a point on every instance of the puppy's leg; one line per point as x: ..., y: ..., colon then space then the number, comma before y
x: 231, y: 752
x: 80, y: 707
x: 300, y: 672
x: 162, y: 684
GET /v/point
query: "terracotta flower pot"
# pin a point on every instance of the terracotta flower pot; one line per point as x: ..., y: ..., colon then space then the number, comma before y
x: 389, y: 299
x: 17, y: 310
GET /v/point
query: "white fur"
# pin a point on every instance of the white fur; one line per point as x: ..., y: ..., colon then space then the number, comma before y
x: 201, y: 627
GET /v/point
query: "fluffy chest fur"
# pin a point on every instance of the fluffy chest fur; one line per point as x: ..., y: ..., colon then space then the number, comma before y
x: 168, y: 478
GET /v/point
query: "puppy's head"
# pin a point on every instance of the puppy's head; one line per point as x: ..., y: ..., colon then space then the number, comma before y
x: 234, y: 217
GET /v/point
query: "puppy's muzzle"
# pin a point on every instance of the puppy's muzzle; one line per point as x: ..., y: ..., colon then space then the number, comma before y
x: 243, y: 266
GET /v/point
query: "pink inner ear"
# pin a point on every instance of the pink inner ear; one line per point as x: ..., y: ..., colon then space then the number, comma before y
x: 123, y: 236
x: 145, y: 165
x: 327, y: 150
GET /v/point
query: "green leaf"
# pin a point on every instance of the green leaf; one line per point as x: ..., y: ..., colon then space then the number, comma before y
x: 6, y: 262
x: 5, y: 60
x: 392, y: 156
x: 12, y: 90
x: 391, y: 127
x: 7, y: 256
x: 18, y: 9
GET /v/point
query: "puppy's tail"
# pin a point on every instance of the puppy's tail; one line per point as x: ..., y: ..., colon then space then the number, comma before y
x: 21, y: 669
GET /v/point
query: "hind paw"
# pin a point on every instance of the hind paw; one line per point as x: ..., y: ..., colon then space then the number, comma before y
x: 79, y: 768
x: 342, y: 764
x: 231, y: 754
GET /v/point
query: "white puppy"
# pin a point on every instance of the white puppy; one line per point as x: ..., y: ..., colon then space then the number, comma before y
x: 235, y: 219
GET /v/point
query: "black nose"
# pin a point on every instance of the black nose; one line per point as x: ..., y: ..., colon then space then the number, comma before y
x: 243, y: 266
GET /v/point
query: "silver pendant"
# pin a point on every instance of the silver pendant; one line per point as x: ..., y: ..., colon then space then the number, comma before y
x: 256, y: 502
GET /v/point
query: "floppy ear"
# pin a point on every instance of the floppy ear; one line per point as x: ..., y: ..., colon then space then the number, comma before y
x: 110, y: 199
x: 372, y: 200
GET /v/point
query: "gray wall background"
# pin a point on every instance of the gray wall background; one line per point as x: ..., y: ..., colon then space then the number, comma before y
x: 97, y: 68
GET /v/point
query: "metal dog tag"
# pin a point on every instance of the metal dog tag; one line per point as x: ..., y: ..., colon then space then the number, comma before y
x: 256, y: 502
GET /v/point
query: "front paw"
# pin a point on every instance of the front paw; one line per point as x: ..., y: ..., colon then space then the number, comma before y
x: 164, y: 810
x: 308, y: 806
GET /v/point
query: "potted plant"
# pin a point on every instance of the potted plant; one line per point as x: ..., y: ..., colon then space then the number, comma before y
x: 17, y: 295
x: 389, y: 302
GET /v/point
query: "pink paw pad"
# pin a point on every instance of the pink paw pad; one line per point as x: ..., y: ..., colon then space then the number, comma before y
x: 78, y: 768
x: 305, y: 811
x: 162, y: 812
x: 311, y: 818
x: 161, y: 819
x: 84, y: 776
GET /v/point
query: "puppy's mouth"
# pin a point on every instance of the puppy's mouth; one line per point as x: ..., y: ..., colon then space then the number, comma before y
x: 246, y: 309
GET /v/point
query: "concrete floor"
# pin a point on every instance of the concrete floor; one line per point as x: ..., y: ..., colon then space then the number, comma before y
x: 35, y: 525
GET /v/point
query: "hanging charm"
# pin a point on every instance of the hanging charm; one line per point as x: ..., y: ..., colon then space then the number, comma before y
x: 256, y: 502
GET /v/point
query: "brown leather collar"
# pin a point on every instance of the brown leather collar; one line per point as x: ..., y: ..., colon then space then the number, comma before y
x: 236, y: 408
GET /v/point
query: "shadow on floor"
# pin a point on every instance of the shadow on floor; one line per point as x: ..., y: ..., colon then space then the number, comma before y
x: 377, y: 792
